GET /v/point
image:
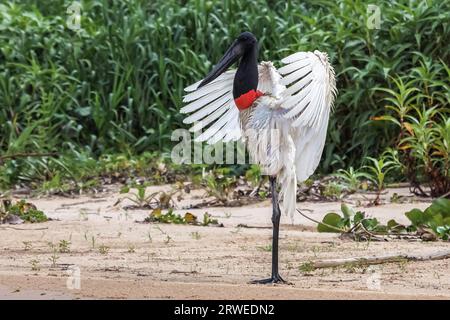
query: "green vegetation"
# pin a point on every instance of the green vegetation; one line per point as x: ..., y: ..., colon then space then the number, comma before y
x: 64, y: 246
x: 378, y: 169
x: 422, y: 147
x: 103, y: 249
x: 97, y: 105
x: 432, y: 223
x: 350, y: 221
x: 34, y: 265
x: 170, y: 217
x: 436, y: 217
x: 188, y: 218
x: 21, y: 209
x: 351, y: 178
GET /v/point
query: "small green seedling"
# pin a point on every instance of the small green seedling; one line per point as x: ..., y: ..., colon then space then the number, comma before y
x: 306, y: 267
x: 195, y: 235
x: 64, y: 246
x: 102, y: 249
x: 27, y: 245
x: 35, y: 265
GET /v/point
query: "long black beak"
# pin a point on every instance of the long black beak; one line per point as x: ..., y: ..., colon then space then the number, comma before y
x: 234, y: 52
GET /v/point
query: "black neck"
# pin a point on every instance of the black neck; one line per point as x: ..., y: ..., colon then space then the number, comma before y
x: 246, y: 77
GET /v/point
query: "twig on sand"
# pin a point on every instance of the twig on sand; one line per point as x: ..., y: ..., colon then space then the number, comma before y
x: 338, y: 281
x: 241, y: 225
x: 65, y: 205
x: 330, y: 263
x: 184, y: 272
x: 23, y: 229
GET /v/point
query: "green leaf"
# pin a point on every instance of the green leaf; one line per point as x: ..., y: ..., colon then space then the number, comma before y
x: 436, y: 221
x: 415, y: 216
x: 358, y: 217
x: 395, y: 226
x: 332, y: 219
x: 141, y: 192
x: 125, y: 189
x: 386, y: 118
x: 443, y: 206
x: 347, y: 211
x: 370, y: 224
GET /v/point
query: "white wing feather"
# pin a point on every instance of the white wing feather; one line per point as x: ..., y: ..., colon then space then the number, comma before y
x: 212, y: 106
x: 308, y: 101
x: 213, y: 110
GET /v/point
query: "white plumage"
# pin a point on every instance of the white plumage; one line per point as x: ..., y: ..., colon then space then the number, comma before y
x: 285, y: 129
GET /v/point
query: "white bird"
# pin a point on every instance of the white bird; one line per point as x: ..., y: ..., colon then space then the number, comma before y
x: 284, y: 127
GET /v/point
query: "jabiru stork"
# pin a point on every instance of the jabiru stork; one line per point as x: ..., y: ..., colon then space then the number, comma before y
x: 283, y: 120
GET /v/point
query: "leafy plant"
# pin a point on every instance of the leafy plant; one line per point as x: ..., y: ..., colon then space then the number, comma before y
x: 141, y: 199
x: 64, y: 246
x: 378, y: 168
x: 220, y: 184
x: 350, y: 221
x: 35, y: 265
x: 22, y: 209
x: 267, y: 248
x: 207, y: 220
x: 171, y: 217
x: 54, y: 258
x: 103, y: 95
x: 103, y: 249
x: 436, y: 217
x: 159, y: 199
x: 418, y: 106
x: 352, y: 178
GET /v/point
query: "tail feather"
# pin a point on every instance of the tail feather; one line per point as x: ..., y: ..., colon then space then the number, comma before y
x: 288, y: 181
x: 288, y: 194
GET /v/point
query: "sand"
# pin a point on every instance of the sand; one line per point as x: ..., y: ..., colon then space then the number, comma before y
x: 112, y: 255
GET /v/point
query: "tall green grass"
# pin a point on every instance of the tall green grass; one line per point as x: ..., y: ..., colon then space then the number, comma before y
x: 116, y: 86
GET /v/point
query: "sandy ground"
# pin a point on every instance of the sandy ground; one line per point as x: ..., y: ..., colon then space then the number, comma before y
x: 111, y: 255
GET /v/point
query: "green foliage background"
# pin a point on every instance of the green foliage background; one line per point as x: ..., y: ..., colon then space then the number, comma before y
x: 116, y: 86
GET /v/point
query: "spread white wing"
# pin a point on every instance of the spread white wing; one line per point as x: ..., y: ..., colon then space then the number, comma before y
x: 302, y: 110
x: 212, y: 106
x: 308, y: 100
x: 212, y: 110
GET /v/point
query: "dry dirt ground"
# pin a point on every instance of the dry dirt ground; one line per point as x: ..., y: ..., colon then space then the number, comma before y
x: 119, y: 258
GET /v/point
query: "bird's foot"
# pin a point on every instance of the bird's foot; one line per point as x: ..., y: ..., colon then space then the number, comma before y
x: 272, y: 280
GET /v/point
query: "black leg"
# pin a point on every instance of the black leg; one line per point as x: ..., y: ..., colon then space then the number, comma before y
x: 276, y: 215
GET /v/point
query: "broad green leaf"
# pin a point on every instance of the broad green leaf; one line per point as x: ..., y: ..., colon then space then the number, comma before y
x: 415, y: 216
x: 332, y: 219
x: 358, y: 217
x: 347, y: 211
x: 443, y: 205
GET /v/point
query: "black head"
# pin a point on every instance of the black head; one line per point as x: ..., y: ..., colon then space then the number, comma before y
x: 243, y: 43
x: 247, y: 39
